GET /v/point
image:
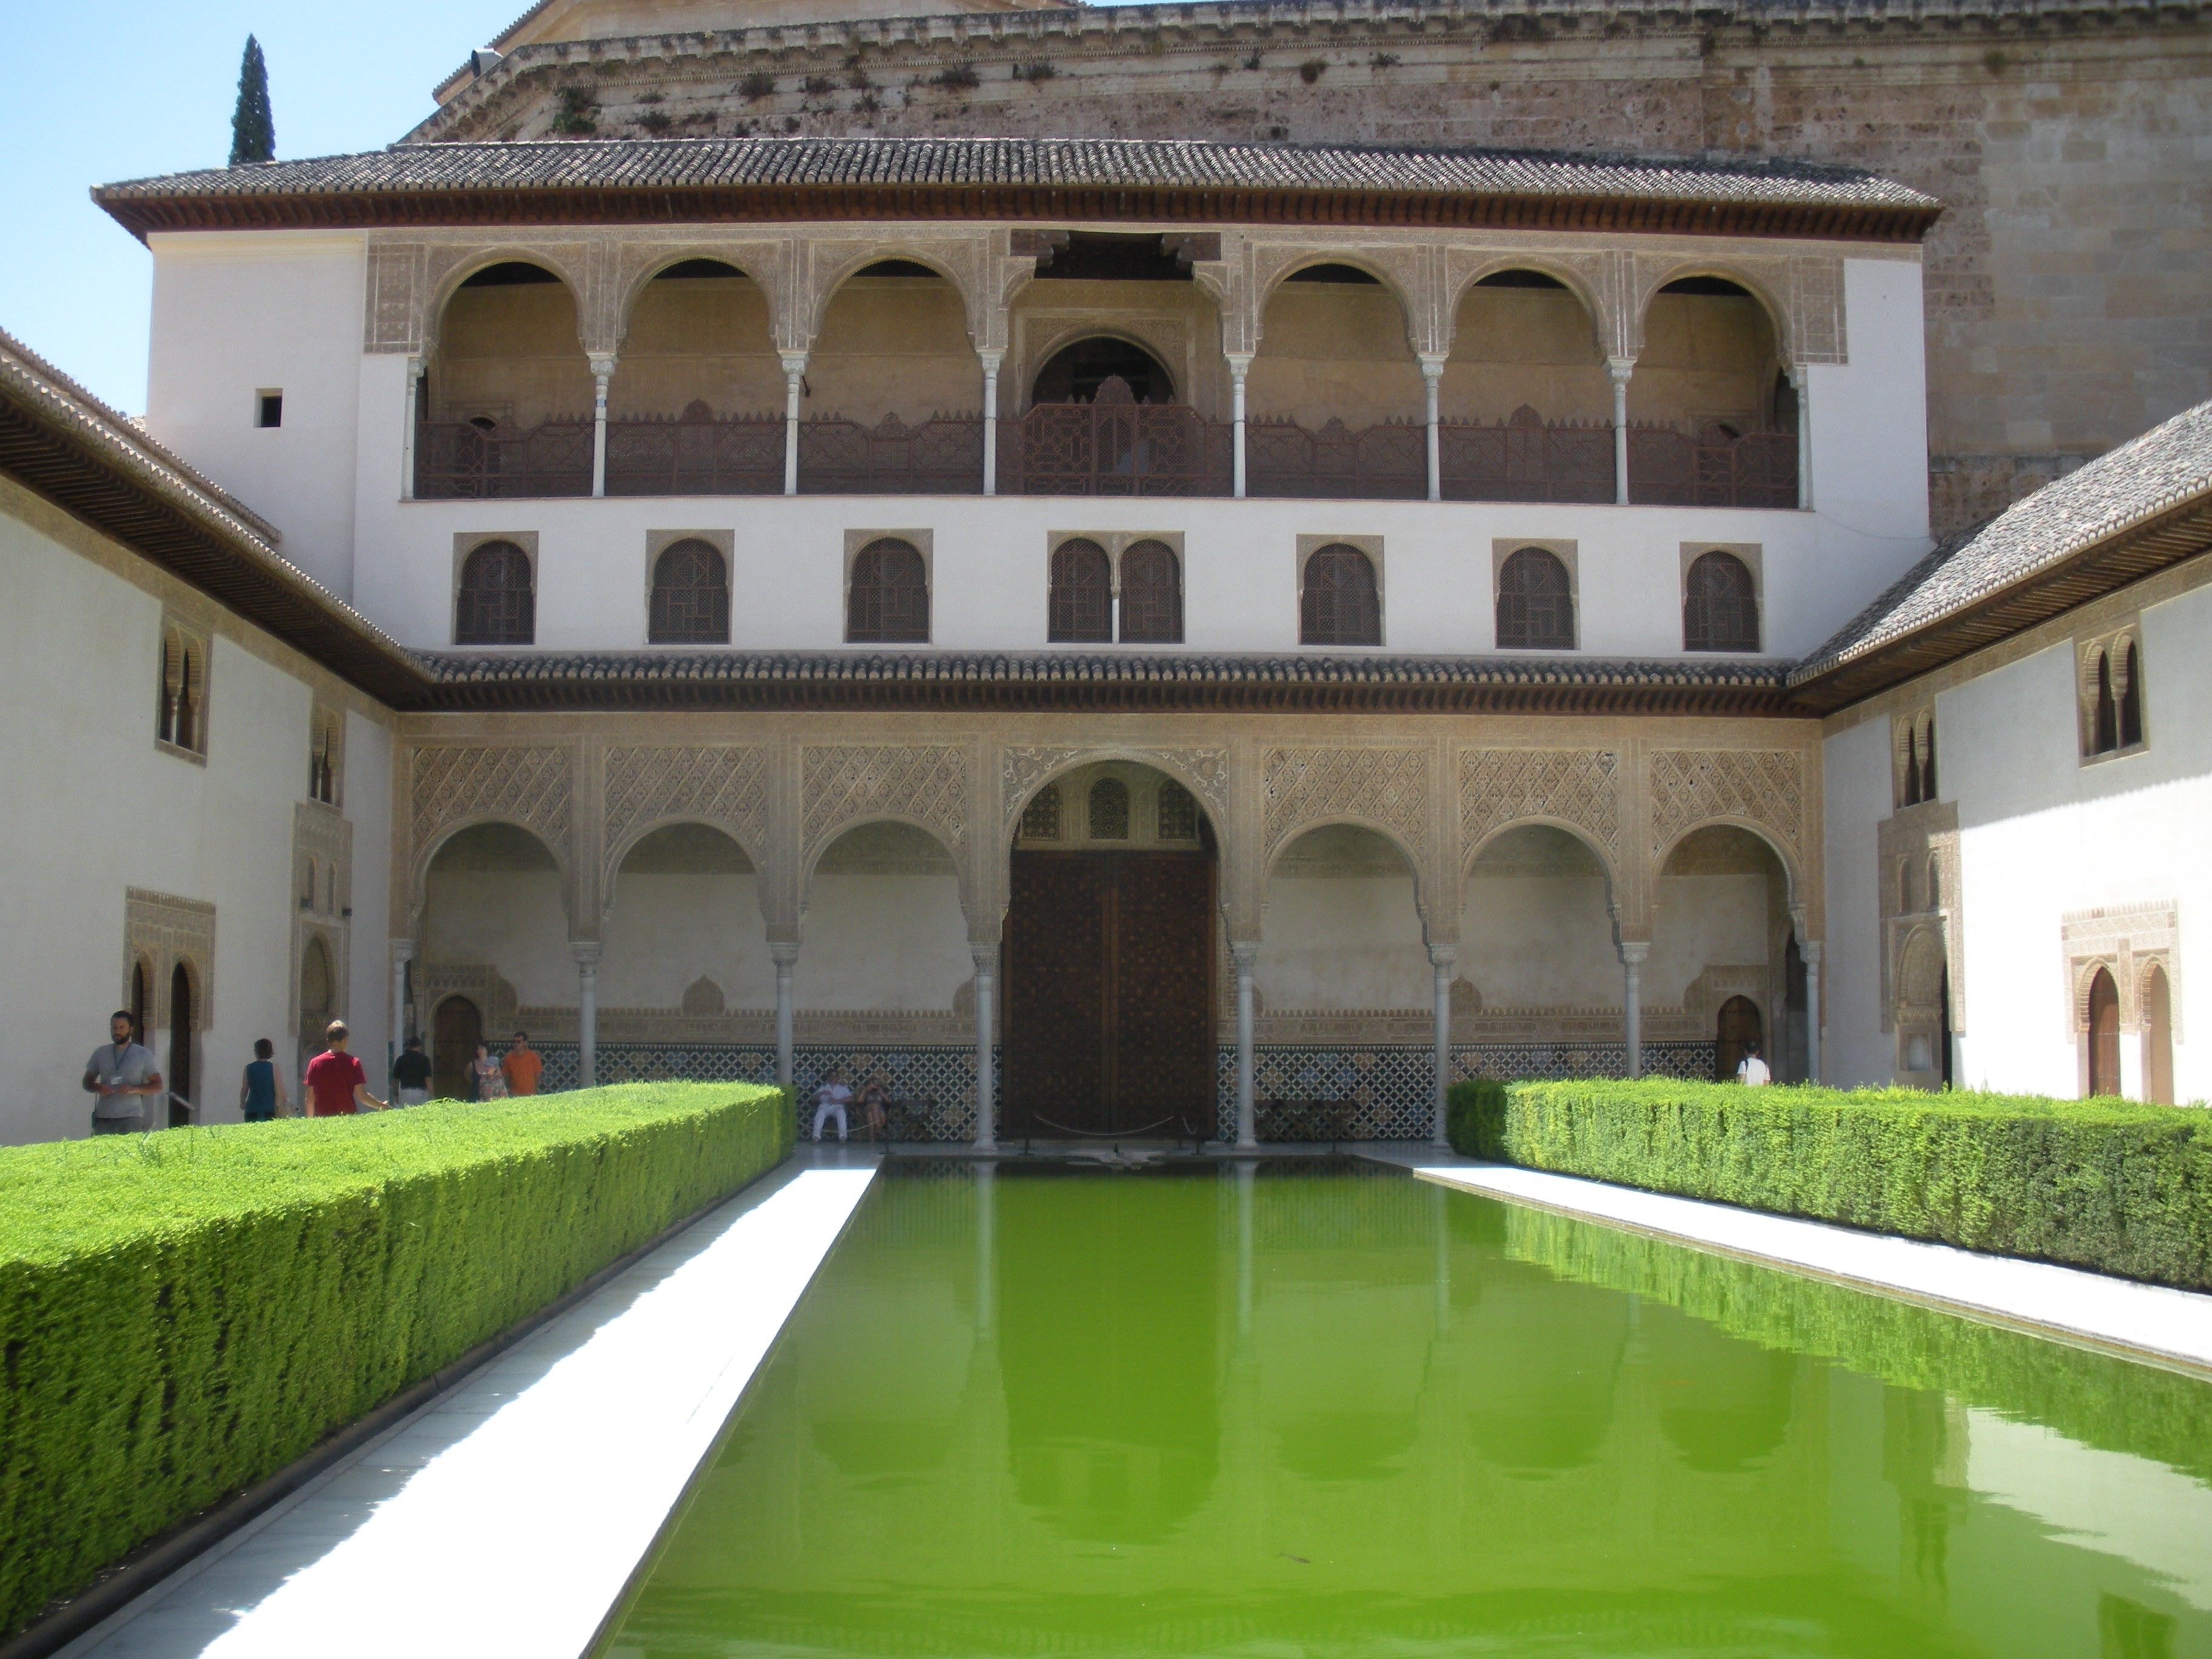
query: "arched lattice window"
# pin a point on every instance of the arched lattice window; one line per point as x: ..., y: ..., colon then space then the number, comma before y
x: 1914, y: 735
x: 1339, y: 605
x: 690, y: 595
x: 2131, y: 720
x: 888, y: 603
x: 1535, y: 603
x: 496, y: 605
x: 2107, y: 736
x: 1151, y: 594
x: 1720, y: 611
x: 181, y: 719
x: 324, y: 734
x: 1109, y: 810
x: 1934, y: 882
x: 1080, y: 609
x: 1041, y: 818
x: 1178, y: 809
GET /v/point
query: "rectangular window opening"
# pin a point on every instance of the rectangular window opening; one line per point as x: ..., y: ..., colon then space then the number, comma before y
x: 268, y: 407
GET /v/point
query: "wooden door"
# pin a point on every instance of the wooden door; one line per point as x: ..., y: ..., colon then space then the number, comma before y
x: 2104, y: 1035
x: 455, y: 1032
x: 1109, y: 993
x: 1735, y: 1031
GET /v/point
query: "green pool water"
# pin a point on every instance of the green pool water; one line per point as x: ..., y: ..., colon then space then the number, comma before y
x: 1304, y: 1410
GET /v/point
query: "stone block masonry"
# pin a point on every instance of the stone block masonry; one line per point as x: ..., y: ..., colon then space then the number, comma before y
x: 2069, y: 287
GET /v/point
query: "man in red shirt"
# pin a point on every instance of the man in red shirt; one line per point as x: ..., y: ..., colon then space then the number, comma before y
x: 336, y: 1086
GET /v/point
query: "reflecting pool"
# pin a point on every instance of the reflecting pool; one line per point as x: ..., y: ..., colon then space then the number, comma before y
x: 1307, y: 1409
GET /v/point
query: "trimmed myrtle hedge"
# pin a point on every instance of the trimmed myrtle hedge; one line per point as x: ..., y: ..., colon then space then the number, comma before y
x: 183, y: 1314
x: 2120, y: 1188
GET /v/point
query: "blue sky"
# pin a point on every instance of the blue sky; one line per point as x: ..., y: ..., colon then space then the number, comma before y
x: 104, y: 90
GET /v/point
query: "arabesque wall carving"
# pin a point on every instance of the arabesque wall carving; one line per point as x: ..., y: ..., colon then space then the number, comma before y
x: 726, y: 788
x: 1765, y: 786
x: 1387, y: 786
x: 928, y: 784
x: 1581, y: 786
x: 532, y: 786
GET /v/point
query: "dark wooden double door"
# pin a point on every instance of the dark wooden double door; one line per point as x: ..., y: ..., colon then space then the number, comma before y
x: 1109, y: 993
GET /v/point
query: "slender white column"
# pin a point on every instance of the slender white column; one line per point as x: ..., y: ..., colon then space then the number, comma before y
x: 986, y: 973
x: 587, y: 952
x: 403, y: 952
x: 1802, y: 380
x: 1810, y: 949
x: 1442, y: 957
x: 602, y: 370
x: 1240, y: 365
x: 1244, y: 956
x: 1617, y: 370
x: 991, y: 362
x: 794, y: 371
x: 785, y: 958
x: 1432, y: 371
x: 407, y: 430
x: 1633, y: 952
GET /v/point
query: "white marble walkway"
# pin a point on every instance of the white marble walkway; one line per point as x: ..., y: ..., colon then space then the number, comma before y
x: 2144, y: 1320
x: 506, y: 1516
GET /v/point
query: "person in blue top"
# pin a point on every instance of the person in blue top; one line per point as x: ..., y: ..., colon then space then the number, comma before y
x: 261, y: 1092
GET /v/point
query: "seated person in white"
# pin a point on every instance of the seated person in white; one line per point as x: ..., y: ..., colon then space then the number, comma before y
x: 832, y: 1097
x: 1751, y: 1069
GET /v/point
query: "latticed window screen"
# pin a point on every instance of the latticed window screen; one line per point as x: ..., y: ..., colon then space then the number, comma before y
x: 1151, y: 594
x: 1178, y: 813
x: 690, y: 596
x: 2131, y: 721
x: 497, y: 605
x: 181, y: 718
x: 1109, y: 810
x: 1340, y: 605
x: 1535, y: 605
x: 1082, y: 602
x: 1041, y: 818
x: 325, y: 734
x: 888, y: 603
x: 1720, y: 611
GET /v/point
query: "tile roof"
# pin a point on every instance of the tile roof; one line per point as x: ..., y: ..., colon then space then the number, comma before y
x: 1165, y: 164
x: 2166, y: 468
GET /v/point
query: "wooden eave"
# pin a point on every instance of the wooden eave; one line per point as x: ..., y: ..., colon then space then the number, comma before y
x: 2103, y: 567
x: 142, y: 213
x: 55, y: 462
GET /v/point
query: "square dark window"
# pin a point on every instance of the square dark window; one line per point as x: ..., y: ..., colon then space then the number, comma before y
x: 270, y: 409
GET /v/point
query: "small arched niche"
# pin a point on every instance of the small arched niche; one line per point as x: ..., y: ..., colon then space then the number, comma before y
x: 685, y: 905
x: 509, y: 356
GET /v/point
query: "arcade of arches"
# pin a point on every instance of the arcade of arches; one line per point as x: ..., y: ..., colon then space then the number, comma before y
x: 1208, y: 926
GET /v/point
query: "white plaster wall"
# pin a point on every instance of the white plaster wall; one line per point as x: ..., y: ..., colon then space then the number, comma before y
x: 2040, y: 835
x: 509, y: 920
x: 1855, y: 776
x: 103, y: 809
x: 1700, y: 921
x: 665, y: 931
x: 236, y: 312
x: 882, y: 942
x: 1539, y: 942
x: 1343, y: 942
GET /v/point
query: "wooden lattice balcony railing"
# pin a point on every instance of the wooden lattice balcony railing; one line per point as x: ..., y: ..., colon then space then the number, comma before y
x: 459, y: 461
x: 941, y: 456
x: 1668, y: 467
x: 696, y: 453
x: 1387, y: 463
x: 1115, y: 446
x: 1526, y: 457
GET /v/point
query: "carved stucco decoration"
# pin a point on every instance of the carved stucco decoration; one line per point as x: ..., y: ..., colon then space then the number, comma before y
x: 824, y: 263
x: 1601, y: 280
x: 1203, y: 772
x: 845, y: 783
x: 1387, y: 786
x: 2127, y: 941
x: 726, y: 787
x: 1415, y: 272
x: 1909, y: 845
x: 1803, y: 293
x: 767, y: 261
x: 1581, y: 786
x: 530, y: 786
x: 161, y: 930
x: 1764, y: 786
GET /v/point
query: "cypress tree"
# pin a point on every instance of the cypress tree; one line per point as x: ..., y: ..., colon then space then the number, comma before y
x: 253, y: 129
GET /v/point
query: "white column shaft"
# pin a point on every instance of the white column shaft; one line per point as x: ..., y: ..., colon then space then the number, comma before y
x: 1238, y: 367
x: 991, y: 423
x: 1618, y: 369
x: 1432, y: 371
x: 795, y: 373
x: 1802, y: 382
x: 402, y: 951
x: 1244, y: 956
x: 1631, y: 1005
x: 986, y: 1101
x: 407, y: 430
x: 786, y: 961
x: 1442, y: 961
x: 1812, y: 955
x: 602, y: 370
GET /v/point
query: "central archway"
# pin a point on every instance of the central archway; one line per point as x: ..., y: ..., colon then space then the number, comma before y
x: 1110, y: 942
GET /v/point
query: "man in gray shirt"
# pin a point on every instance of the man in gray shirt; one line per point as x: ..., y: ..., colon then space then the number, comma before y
x: 121, y: 1075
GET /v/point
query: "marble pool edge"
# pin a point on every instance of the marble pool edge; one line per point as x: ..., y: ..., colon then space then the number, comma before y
x: 2151, y: 1324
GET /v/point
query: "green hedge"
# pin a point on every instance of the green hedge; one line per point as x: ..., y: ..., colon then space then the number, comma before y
x: 2121, y: 1187
x: 183, y: 1314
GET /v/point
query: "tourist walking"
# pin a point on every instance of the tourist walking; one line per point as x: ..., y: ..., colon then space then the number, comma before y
x: 336, y: 1085
x: 522, y: 1066
x: 121, y: 1073
x: 485, y: 1073
x: 261, y: 1092
x: 1751, y: 1069
x: 832, y: 1096
x: 411, y: 1074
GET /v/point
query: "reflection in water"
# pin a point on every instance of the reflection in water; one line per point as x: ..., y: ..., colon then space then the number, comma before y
x: 1314, y: 1412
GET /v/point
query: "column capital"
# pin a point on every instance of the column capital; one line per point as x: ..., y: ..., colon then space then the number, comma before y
x: 794, y: 363
x: 1432, y: 362
x: 585, y: 951
x: 1444, y: 955
x: 1244, y: 954
x: 1618, y: 369
x: 1809, y: 949
x: 1634, y: 951
x: 1799, y: 373
x: 991, y: 357
x: 783, y: 953
x: 1240, y: 363
x: 985, y: 956
x: 603, y: 364
x: 403, y: 950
